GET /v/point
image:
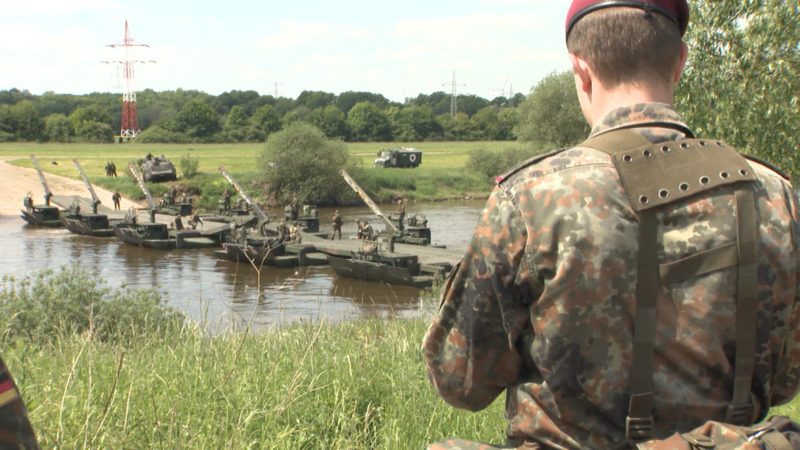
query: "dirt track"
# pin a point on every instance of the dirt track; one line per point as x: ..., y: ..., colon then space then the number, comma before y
x: 18, y: 181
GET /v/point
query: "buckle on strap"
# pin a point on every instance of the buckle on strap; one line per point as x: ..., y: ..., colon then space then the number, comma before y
x: 639, y: 428
x: 739, y: 414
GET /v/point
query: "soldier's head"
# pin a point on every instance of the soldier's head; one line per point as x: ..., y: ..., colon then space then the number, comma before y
x: 628, y: 42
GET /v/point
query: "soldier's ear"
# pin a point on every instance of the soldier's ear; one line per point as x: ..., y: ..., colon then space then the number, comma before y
x: 681, y: 63
x: 583, y: 74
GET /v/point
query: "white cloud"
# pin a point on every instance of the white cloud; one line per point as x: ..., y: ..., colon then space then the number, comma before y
x: 55, y: 7
x: 294, y: 34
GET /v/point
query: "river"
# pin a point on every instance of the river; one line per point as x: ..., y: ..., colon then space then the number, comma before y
x: 224, y: 295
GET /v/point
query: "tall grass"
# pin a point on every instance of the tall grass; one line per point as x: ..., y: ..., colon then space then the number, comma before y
x: 357, y: 384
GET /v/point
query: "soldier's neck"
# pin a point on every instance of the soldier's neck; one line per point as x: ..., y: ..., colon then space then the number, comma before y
x: 604, y: 100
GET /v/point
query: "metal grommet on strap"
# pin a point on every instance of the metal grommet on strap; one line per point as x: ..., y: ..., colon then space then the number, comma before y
x: 724, y: 175
x: 643, y: 199
x: 627, y: 158
x: 743, y: 172
x: 663, y: 193
x: 704, y: 180
x: 665, y: 149
x: 683, y: 187
x: 647, y: 154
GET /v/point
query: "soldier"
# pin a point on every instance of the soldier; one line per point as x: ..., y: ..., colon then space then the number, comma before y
x: 605, y: 310
x: 116, y: 198
x: 75, y: 208
x: 400, y: 211
x: 366, y: 231
x: 283, y: 231
x: 28, y: 201
x: 294, y: 206
x: 226, y: 200
x: 195, y: 220
x: 336, y: 225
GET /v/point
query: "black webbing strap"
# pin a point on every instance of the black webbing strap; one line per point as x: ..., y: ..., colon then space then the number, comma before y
x: 740, y: 411
x: 639, y: 422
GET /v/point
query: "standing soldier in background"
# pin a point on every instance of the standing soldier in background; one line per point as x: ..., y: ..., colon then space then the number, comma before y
x: 116, y: 198
x: 400, y: 211
x: 15, y: 428
x: 336, y: 225
x: 637, y: 285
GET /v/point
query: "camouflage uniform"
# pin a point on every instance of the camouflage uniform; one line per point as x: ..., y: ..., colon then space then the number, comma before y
x: 542, y: 304
x: 15, y: 428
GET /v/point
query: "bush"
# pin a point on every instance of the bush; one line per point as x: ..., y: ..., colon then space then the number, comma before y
x: 492, y: 164
x: 301, y: 160
x: 189, y: 165
x: 47, y: 304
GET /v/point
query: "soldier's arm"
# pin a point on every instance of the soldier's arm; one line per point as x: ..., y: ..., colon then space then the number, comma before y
x: 469, y: 349
x: 787, y: 379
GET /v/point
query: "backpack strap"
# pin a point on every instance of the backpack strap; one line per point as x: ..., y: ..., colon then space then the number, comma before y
x: 656, y: 175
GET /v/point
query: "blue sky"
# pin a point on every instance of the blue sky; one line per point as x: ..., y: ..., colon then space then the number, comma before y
x: 395, y: 48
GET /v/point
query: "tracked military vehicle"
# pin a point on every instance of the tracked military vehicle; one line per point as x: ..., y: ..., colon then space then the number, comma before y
x: 157, y: 169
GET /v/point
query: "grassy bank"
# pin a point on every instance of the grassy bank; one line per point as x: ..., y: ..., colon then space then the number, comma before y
x: 444, y: 173
x: 97, y: 377
x: 146, y: 384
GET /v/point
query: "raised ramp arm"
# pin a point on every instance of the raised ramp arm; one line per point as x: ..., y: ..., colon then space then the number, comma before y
x: 95, y: 199
x: 47, y: 193
x: 261, y: 216
x: 142, y: 186
x: 361, y: 193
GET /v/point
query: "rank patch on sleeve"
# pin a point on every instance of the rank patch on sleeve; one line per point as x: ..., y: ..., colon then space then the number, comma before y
x: 8, y: 393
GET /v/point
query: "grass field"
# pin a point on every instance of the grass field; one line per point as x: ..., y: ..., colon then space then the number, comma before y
x: 123, y: 377
x: 443, y: 173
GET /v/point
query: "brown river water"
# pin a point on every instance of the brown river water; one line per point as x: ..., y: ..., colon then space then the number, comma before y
x: 224, y: 295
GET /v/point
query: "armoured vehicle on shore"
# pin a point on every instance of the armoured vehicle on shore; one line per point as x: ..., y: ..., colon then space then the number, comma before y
x: 157, y: 169
x: 43, y: 215
x: 398, y: 157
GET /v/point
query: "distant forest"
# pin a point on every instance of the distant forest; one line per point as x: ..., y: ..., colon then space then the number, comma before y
x: 184, y: 116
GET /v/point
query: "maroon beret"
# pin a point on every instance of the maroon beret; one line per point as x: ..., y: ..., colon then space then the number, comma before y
x: 675, y: 10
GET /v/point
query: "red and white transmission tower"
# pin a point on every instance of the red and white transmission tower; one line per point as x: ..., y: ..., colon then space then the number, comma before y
x: 130, y: 114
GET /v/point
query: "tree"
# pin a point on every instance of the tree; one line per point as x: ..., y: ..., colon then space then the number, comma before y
x: 315, y: 99
x: 301, y: 160
x: 299, y: 114
x: 413, y: 123
x: 25, y: 121
x: 236, y: 123
x: 551, y: 115
x: 196, y: 120
x: 264, y: 121
x: 57, y: 128
x: 331, y: 120
x: 346, y: 100
x: 92, y: 114
x: 742, y: 80
x: 368, y: 123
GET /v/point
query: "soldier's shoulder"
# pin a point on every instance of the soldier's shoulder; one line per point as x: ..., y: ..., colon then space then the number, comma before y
x: 508, y: 174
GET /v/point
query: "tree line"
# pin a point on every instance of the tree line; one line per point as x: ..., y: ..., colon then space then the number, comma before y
x: 741, y: 84
x: 245, y: 116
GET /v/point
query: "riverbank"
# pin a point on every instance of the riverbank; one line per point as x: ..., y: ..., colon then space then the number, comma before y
x: 18, y: 181
x: 133, y: 380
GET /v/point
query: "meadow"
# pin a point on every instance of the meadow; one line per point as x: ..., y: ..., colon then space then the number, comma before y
x: 115, y: 369
x: 443, y: 174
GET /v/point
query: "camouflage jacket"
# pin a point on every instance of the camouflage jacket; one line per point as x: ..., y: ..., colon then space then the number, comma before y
x: 542, y: 304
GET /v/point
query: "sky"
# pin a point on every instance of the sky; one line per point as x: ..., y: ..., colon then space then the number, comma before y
x: 399, y: 49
